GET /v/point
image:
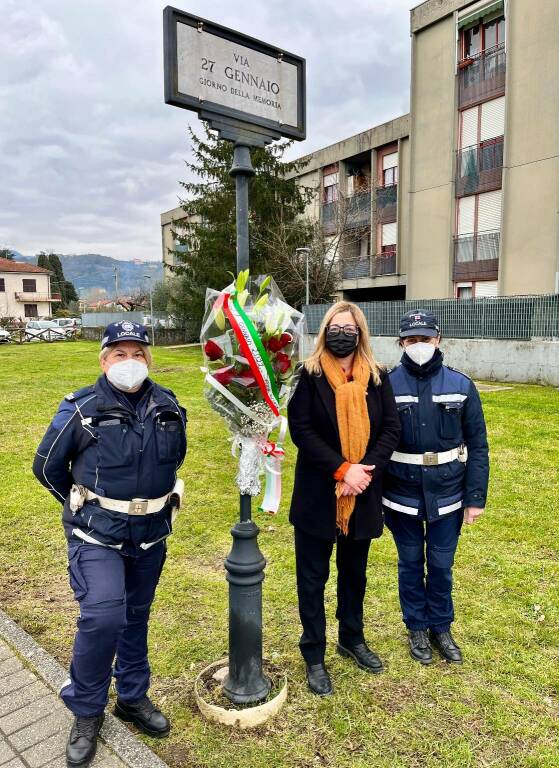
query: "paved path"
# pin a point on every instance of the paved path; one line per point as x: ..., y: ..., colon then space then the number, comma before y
x: 34, y: 723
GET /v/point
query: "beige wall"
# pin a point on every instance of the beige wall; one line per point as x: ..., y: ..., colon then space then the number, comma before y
x: 530, y: 225
x: 167, y: 238
x: 13, y: 281
x: 432, y: 144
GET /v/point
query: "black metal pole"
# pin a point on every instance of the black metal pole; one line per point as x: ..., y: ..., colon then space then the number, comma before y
x: 245, y: 682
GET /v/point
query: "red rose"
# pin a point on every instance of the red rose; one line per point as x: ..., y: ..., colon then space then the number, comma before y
x: 224, y: 375
x: 275, y: 344
x: 283, y: 362
x: 213, y: 351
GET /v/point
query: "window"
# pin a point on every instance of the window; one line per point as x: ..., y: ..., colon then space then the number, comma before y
x: 464, y: 291
x: 482, y: 36
x: 2, y: 285
x: 330, y: 183
x: 390, y: 169
x: 29, y: 286
x: 30, y: 310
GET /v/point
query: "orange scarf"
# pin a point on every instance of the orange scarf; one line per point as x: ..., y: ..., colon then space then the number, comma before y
x: 354, y: 424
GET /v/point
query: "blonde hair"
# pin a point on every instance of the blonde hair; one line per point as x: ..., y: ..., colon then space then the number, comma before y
x: 312, y: 363
x: 145, y: 349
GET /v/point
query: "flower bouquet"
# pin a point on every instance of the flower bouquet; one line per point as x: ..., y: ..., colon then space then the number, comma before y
x: 250, y: 339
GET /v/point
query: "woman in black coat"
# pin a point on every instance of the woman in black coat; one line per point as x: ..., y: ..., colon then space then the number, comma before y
x: 336, y: 499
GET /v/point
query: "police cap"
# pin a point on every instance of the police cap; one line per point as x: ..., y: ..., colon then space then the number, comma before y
x: 124, y: 330
x: 419, y: 322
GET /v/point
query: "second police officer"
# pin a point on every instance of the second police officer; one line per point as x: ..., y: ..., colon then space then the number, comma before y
x: 436, y: 480
x: 110, y: 457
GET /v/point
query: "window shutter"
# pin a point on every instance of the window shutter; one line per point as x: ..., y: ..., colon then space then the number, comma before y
x: 486, y: 288
x: 469, y: 135
x: 489, y: 211
x: 330, y: 179
x: 390, y: 161
x: 492, y: 118
x: 390, y: 234
x: 466, y: 212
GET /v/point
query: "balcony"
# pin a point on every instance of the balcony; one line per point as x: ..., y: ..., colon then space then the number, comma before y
x: 476, y: 257
x: 482, y: 77
x: 32, y: 297
x: 387, y: 204
x: 354, y: 268
x: 479, y: 168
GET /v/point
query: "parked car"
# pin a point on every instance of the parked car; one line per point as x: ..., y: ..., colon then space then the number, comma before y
x: 4, y: 336
x: 67, y: 322
x: 35, y: 330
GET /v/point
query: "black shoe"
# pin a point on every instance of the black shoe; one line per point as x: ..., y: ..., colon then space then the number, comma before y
x: 420, y: 647
x: 319, y: 679
x: 445, y: 645
x: 145, y: 716
x: 362, y: 656
x: 82, y: 742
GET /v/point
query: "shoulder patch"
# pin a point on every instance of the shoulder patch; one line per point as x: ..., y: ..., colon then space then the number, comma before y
x: 80, y: 393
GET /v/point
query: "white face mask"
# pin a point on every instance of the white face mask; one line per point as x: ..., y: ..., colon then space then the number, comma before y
x: 127, y: 375
x: 420, y: 352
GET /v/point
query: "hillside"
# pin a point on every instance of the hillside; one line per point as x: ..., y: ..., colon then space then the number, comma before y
x: 92, y: 270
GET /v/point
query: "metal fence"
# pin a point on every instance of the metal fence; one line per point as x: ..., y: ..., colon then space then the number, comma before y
x: 503, y: 317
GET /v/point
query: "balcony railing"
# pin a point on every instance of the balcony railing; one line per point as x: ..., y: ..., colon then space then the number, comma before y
x: 358, y: 210
x: 355, y: 267
x: 476, y: 257
x: 387, y: 204
x: 31, y: 297
x: 482, y: 76
x: 479, y: 168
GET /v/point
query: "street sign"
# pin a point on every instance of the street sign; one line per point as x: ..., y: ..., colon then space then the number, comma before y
x: 234, y: 82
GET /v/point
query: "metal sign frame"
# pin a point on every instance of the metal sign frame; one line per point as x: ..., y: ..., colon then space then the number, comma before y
x: 231, y: 123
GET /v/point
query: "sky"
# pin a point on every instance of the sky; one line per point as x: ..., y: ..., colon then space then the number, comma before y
x: 90, y: 154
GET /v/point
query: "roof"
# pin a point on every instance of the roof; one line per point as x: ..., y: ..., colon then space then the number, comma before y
x: 7, y: 265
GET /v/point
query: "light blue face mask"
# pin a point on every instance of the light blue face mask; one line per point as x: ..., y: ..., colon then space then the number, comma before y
x: 420, y: 352
x: 127, y: 375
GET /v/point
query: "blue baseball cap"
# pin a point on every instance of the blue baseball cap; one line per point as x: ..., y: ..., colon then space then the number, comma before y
x: 125, y: 330
x: 419, y: 322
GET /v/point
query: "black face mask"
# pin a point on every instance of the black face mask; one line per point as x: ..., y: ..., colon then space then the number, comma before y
x: 341, y: 344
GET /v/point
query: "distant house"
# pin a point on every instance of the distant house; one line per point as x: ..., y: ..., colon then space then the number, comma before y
x: 25, y: 290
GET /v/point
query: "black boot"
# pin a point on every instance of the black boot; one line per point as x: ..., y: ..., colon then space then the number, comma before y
x: 362, y: 656
x: 420, y: 647
x: 82, y: 742
x: 145, y: 716
x: 445, y: 645
x: 319, y: 679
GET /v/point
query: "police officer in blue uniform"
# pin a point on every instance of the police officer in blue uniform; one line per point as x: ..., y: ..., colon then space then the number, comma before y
x: 437, y: 479
x: 110, y: 457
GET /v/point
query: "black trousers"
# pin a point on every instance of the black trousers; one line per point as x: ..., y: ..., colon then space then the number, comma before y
x: 312, y: 560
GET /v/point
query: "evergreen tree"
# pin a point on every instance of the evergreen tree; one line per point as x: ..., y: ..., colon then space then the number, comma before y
x: 208, y: 240
x: 59, y: 284
x: 5, y: 253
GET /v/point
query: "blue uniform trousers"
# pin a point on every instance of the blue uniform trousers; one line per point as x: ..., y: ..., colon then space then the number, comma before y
x: 115, y: 593
x: 425, y: 594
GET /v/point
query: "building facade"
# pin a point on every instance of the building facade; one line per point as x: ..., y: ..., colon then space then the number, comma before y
x: 25, y: 291
x: 460, y: 198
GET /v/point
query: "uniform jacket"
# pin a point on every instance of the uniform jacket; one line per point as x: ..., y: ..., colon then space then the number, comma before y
x: 314, y: 430
x: 98, y: 440
x: 439, y: 409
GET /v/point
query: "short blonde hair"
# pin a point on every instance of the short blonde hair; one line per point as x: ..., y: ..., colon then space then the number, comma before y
x: 312, y: 363
x: 145, y: 349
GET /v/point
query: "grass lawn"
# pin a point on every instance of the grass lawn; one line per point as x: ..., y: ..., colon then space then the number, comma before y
x: 501, y: 708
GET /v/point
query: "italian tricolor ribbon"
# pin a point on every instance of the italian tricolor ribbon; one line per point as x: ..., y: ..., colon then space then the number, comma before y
x: 252, y: 348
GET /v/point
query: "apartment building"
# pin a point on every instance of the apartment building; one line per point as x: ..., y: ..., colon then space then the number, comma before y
x: 25, y: 290
x: 460, y: 198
